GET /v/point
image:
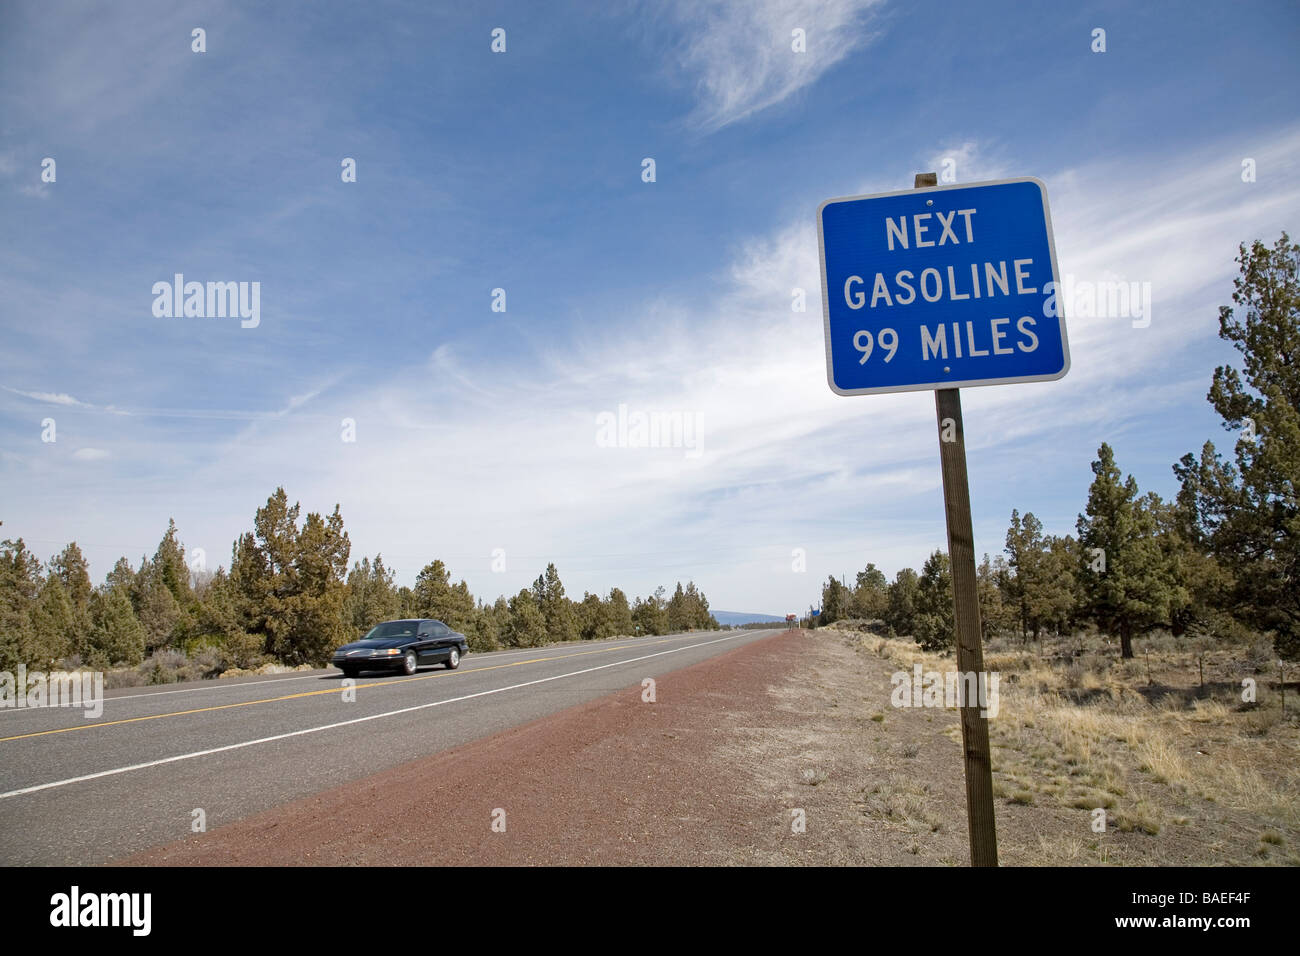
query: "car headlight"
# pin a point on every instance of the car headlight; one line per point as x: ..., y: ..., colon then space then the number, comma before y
x: 385, y: 652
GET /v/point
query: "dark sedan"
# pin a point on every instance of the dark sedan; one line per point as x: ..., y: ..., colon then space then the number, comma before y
x: 402, y: 646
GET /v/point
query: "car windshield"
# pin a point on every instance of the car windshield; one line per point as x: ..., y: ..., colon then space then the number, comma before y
x: 392, y: 629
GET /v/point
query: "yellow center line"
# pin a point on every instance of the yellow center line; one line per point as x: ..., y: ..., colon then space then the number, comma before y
x: 312, y: 693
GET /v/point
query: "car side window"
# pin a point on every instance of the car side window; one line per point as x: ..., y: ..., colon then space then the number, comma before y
x: 441, y: 630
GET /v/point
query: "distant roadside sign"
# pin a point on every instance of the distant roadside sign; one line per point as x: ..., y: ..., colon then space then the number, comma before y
x: 941, y: 287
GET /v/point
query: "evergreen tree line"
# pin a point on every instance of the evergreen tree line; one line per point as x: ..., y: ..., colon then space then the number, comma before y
x: 1218, y: 561
x: 288, y: 597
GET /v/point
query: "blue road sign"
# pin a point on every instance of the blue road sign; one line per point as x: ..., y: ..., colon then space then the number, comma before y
x: 942, y: 287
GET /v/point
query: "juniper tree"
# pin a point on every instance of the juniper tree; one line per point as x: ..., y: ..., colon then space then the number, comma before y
x: 527, y: 626
x: 405, y: 602
x: 493, y: 620
x: 220, y: 621
x: 1024, y: 547
x: 620, y: 614
x: 158, y: 611
x: 900, y: 612
x: 1041, y: 582
x: 557, y: 610
x: 996, y: 615
x: 116, y: 636
x: 835, y: 601
x: 74, y: 572
x: 437, y: 597
x: 169, y: 564
x: 593, y: 620
x: 678, y: 619
x: 20, y: 583
x: 870, y: 593
x: 1247, y: 513
x: 1055, y: 595
x: 934, y: 628
x: 122, y: 577
x: 371, y: 597
x: 54, y: 622
x: 1128, y: 576
x: 290, y: 580
x: 650, y: 615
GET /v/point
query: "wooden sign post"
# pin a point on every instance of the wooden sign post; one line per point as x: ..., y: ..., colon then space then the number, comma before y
x: 966, y: 614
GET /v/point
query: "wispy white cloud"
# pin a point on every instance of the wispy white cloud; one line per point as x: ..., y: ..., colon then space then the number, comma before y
x: 292, y: 404
x: 741, y: 52
x: 50, y: 398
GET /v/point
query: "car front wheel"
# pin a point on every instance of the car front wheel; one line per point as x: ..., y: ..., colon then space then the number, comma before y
x: 453, y: 660
x: 409, y: 663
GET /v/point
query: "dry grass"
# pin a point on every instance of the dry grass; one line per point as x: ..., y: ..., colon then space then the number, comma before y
x: 1201, y: 775
x: 902, y: 805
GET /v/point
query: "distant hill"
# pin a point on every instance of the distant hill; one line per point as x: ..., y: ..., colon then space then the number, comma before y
x: 735, y: 618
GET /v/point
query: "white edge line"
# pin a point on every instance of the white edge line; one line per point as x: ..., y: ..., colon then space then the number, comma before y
x: 343, y: 723
x: 218, y: 684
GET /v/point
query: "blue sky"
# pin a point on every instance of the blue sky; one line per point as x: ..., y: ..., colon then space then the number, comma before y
x: 477, y: 430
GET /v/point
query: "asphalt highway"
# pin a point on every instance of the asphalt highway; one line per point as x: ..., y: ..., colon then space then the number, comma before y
x: 76, y: 791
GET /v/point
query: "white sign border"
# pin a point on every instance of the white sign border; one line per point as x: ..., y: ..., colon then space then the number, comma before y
x: 935, y: 386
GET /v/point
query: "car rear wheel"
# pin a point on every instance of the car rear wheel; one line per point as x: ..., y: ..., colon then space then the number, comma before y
x: 409, y: 663
x: 453, y: 660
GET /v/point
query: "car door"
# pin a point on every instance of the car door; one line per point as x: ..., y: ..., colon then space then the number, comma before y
x: 426, y: 636
x: 442, y: 641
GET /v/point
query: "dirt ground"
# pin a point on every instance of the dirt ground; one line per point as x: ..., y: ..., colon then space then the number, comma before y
x: 785, y: 751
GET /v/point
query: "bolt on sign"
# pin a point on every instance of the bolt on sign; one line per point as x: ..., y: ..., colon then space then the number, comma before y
x: 941, y: 287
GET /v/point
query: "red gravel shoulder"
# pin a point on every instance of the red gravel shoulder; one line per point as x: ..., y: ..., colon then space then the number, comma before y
x: 613, y: 781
